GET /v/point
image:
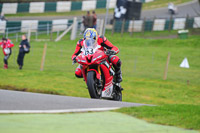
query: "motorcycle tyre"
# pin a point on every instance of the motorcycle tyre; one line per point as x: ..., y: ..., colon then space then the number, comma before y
x: 91, y: 85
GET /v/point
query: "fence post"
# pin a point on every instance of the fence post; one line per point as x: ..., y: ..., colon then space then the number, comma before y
x: 153, y: 55
x: 170, y: 23
x: 43, y: 57
x: 135, y: 64
x: 153, y: 23
x: 101, y: 27
x: 16, y: 37
x: 47, y: 28
x: 29, y: 33
x: 57, y: 34
x: 188, y: 82
x: 106, y: 17
x: 166, y: 67
x: 36, y: 35
x: 61, y: 51
x: 51, y: 36
x: 122, y: 28
x: 113, y: 27
x: 143, y: 25
x: 64, y: 33
x: 186, y: 21
x: 132, y: 28
x: 13, y: 56
x: 6, y: 32
x: 74, y: 29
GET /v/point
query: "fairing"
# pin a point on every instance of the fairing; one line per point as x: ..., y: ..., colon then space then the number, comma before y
x: 99, y: 59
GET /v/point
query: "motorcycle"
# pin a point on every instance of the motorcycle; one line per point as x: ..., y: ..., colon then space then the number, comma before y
x: 98, y: 72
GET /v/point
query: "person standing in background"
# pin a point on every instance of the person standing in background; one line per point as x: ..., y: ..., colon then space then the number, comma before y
x: 84, y: 24
x: 89, y: 20
x: 23, y: 49
x: 6, y: 45
x: 94, y: 20
x: 2, y: 17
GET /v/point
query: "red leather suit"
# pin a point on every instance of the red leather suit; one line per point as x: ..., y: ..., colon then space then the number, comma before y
x: 104, y: 43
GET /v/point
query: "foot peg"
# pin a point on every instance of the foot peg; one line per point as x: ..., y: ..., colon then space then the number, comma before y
x: 118, y: 85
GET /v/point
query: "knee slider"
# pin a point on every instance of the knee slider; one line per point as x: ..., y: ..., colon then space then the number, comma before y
x: 78, y: 73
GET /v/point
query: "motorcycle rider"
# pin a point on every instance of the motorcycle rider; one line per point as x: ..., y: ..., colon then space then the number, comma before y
x: 172, y: 8
x: 91, y: 33
x: 6, y: 45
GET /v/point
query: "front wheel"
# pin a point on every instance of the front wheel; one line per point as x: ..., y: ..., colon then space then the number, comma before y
x: 94, y: 91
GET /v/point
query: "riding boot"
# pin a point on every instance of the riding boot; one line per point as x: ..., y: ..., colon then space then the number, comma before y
x: 5, y: 66
x: 118, y: 75
x: 20, y: 67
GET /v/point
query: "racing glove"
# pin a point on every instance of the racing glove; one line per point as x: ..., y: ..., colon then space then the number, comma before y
x: 110, y: 52
x: 74, y: 60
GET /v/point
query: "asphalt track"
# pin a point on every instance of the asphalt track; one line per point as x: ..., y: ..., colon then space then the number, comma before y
x: 97, y: 122
x: 190, y: 8
x: 26, y: 102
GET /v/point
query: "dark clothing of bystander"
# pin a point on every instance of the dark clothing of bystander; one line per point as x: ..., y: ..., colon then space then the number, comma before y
x: 89, y: 20
x: 22, y: 52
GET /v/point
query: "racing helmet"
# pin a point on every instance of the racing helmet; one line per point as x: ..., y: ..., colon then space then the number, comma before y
x: 90, y: 37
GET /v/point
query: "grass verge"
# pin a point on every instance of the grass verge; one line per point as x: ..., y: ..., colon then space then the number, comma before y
x: 71, y: 13
x: 180, y: 115
x: 162, y: 3
x: 111, y: 122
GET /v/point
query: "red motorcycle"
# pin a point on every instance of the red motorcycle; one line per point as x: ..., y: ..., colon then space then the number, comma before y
x: 98, y: 72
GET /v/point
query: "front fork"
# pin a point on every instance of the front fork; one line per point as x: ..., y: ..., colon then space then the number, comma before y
x: 98, y: 75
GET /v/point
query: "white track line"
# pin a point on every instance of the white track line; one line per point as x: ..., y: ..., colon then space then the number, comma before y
x: 56, y: 111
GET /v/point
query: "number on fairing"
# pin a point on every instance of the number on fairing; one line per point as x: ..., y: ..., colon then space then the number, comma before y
x: 89, y: 51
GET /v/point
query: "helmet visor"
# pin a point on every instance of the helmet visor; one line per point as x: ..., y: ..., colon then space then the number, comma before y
x: 90, y: 43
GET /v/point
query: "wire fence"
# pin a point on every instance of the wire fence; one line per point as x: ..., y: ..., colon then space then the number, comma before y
x: 58, y: 55
x: 155, y: 24
x: 138, y: 65
x: 35, y: 30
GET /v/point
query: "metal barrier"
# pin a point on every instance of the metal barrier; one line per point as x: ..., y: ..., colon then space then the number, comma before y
x: 13, y: 29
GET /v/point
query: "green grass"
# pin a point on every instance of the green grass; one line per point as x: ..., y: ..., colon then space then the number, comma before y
x: 111, y: 122
x: 146, y: 6
x: 71, y: 13
x: 143, y: 68
x: 143, y: 63
x: 185, y: 116
x: 162, y: 3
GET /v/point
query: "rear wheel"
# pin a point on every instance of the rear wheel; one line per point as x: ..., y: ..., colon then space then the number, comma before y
x: 92, y: 85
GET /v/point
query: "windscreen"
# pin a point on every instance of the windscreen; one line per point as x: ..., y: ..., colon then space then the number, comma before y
x: 90, y: 46
x: 90, y: 43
